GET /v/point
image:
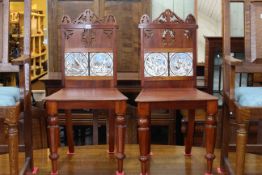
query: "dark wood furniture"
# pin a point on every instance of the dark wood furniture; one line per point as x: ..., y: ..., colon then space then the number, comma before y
x: 168, y: 80
x: 213, y: 46
x: 89, y: 64
x: 240, y: 112
x: 11, y: 114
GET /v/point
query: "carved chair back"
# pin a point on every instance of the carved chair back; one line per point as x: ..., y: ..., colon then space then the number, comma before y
x: 168, y: 51
x: 89, y: 56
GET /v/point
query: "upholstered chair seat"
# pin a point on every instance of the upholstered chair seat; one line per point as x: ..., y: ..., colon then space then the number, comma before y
x: 9, y: 96
x: 249, y: 96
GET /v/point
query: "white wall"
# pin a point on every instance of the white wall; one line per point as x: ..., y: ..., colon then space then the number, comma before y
x: 209, y: 18
x: 1, y: 31
x: 181, y: 7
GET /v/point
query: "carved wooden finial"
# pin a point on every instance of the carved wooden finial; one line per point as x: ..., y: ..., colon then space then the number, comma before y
x: 145, y: 19
x: 66, y: 19
x: 190, y: 19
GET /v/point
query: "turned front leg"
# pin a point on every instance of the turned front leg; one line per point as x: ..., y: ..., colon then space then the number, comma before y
x: 11, y: 120
x: 13, y: 148
x: 210, y: 134
x: 120, y: 110
x: 111, y: 131
x: 53, y: 129
x: 69, y: 132
x: 190, y: 132
x: 143, y: 135
x: 241, y: 142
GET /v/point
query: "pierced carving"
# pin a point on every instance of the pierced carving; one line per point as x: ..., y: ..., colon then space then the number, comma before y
x: 108, y: 33
x: 87, y: 37
x: 89, y: 17
x: 187, y: 34
x: 148, y: 33
x: 168, y: 37
x: 68, y: 33
x: 168, y: 17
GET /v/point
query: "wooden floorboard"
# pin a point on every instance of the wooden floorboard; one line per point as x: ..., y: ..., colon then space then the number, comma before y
x: 166, y: 160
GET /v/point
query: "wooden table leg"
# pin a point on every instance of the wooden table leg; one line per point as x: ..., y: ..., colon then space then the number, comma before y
x: 190, y: 132
x: 210, y: 134
x: 53, y: 129
x: 120, y: 110
x: 69, y: 132
x: 143, y: 135
x: 111, y: 131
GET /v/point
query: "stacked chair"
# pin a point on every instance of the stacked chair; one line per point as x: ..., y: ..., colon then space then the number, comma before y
x: 241, y: 104
x: 15, y: 101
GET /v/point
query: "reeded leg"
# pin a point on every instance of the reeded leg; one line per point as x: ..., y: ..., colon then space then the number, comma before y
x: 13, y: 148
x: 210, y: 134
x: 53, y: 129
x: 190, y: 132
x: 120, y: 110
x: 111, y: 131
x: 241, y: 147
x: 69, y: 132
x: 143, y: 135
x: 11, y: 120
x: 225, y: 139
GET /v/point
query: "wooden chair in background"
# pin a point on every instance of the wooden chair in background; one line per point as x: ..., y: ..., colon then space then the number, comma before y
x: 243, y: 103
x: 89, y: 67
x: 15, y: 101
x: 168, y: 80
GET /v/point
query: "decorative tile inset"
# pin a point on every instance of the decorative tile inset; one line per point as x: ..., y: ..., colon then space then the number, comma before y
x: 155, y: 64
x: 101, y: 64
x: 181, y: 64
x: 76, y: 64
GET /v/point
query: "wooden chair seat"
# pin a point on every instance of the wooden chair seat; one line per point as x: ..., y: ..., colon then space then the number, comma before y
x: 173, y: 95
x: 240, y: 105
x: 87, y: 94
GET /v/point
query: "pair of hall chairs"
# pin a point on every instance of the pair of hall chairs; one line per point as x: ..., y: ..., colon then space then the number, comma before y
x: 168, y: 79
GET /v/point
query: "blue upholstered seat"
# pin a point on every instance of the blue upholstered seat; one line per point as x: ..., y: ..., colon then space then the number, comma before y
x: 249, y: 96
x: 9, y: 96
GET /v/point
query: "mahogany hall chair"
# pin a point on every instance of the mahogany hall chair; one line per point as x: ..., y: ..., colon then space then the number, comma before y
x: 89, y: 67
x: 241, y: 103
x: 168, y: 80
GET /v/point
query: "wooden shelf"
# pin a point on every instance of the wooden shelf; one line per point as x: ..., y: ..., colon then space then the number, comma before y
x: 38, y: 49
